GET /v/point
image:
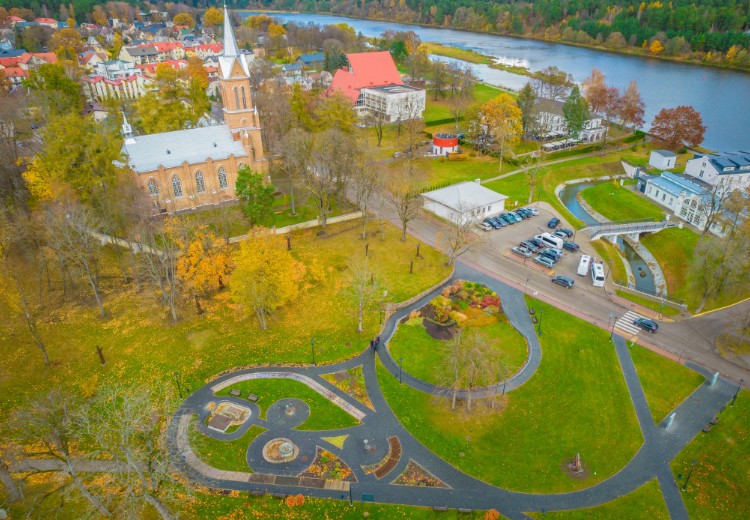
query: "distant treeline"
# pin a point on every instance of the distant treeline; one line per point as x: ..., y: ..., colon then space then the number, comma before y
x: 707, y: 30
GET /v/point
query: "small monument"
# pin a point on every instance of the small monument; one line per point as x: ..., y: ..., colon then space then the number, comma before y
x: 576, y: 466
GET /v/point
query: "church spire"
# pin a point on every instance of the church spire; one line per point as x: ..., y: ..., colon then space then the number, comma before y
x: 230, y: 44
x: 127, y: 130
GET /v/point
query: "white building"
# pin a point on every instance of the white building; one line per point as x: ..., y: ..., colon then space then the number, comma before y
x: 733, y: 169
x: 115, y: 69
x: 396, y: 102
x: 98, y: 88
x: 662, y: 159
x: 466, y: 200
x: 550, y: 123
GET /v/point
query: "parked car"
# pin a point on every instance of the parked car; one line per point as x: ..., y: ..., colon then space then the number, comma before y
x: 646, y: 324
x: 515, y: 216
x: 545, y: 261
x: 528, y: 245
x: 571, y: 246
x: 533, y: 211
x: 499, y: 221
x: 559, y: 234
x: 564, y: 281
x: 507, y: 218
x: 553, y: 223
x: 522, y: 251
x: 551, y: 253
x: 538, y: 243
x: 484, y: 226
x: 567, y: 232
x: 520, y: 214
x: 526, y: 212
x: 491, y: 223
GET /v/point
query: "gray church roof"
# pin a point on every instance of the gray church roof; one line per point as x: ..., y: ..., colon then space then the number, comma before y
x: 170, y: 149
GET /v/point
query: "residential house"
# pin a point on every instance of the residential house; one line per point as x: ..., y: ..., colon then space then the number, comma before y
x: 462, y: 201
x: 98, y: 88
x: 550, y: 123
x: 115, y: 69
x: 89, y: 60
x: 729, y: 168
x: 139, y: 55
x: 370, y: 82
x: 48, y: 22
x: 15, y: 74
x: 662, y: 159
x: 312, y: 60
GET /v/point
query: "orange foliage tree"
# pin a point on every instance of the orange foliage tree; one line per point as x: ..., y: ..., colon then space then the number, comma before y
x: 203, y: 265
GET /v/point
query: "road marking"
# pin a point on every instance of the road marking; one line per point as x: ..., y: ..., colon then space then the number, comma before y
x: 625, y: 322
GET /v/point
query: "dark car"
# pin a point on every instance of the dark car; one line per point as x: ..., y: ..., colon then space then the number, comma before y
x: 491, y: 223
x: 499, y: 221
x: 553, y: 223
x: 529, y: 245
x: 646, y: 324
x: 564, y: 281
x: 568, y: 233
x: 521, y: 214
x: 551, y: 253
x: 571, y: 246
x: 545, y: 261
x: 507, y: 218
x: 538, y: 243
x: 559, y: 234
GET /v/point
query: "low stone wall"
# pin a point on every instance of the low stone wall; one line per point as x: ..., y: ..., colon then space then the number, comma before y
x: 303, y: 225
x: 348, y: 408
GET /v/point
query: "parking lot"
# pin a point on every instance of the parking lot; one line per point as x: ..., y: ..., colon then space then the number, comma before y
x: 504, y: 239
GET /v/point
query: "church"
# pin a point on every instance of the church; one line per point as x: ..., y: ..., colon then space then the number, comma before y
x: 188, y: 169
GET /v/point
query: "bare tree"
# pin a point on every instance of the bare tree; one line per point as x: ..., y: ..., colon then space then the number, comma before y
x: 461, y: 82
x: 9, y: 453
x: 296, y: 150
x: 49, y: 425
x: 364, y: 287
x: 158, y: 261
x: 719, y: 265
x: 366, y: 183
x: 72, y: 236
x: 712, y: 205
x: 377, y: 120
x: 460, y: 237
x: 404, y: 197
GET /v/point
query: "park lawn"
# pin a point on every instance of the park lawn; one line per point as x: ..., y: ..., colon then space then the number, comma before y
x: 645, y: 502
x: 440, y: 170
x: 226, y: 455
x: 719, y: 486
x: 577, y: 402
x: 616, y: 202
x: 141, y: 344
x: 324, y: 415
x: 665, y: 310
x: 425, y: 357
x: 455, y: 52
x: 665, y: 382
x: 609, y: 253
x: 673, y: 248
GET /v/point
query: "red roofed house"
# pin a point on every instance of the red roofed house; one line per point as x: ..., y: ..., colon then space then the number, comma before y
x: 373, y: 84
x: 49, y: 22
x: 13, y: 20
x: 15, y: 74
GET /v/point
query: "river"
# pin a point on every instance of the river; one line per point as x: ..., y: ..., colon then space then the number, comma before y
x: 721, y: 96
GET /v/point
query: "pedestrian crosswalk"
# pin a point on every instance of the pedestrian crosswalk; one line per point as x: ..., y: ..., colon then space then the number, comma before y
x: 625, y: 322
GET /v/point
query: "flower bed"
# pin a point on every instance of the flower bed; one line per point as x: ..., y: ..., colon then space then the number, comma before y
x: 328, y: 466
x: 416, y: 475
x: 351, y: 381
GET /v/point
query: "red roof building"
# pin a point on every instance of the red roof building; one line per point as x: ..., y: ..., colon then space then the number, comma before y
x: 366, y: 69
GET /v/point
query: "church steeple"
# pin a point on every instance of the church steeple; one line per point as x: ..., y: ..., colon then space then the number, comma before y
x: 230, y: 43
x: 127, y: 130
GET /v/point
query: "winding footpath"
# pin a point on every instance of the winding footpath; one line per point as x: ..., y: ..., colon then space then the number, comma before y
x: 378, y: 424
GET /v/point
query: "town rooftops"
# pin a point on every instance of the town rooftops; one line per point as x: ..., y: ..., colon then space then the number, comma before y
x: 171, y: 149
x: 729, y: 162
x: 291, y: 67
x: 664, y: 153
x: 464, y: 196
x: 312, y: 58
x: 366, y: 69
x: 675, y: 184
x: 143, y: 50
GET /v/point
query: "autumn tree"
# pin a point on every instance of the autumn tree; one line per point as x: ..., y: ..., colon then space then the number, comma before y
x: 296, y: 152
x: 552, y: 83
x: 460, y: 237
x: 15, y: 127
x: 403, y: 196
x: 595, y: 91
x: 54, y: 91
x: 266, y: 276
x: 461, y: 82
x: 366, y: 184
x: 184, y: 19
x: 335, y: 111
x: 526, y: 100
x: 364, y: 287
x: 66, y: 43
x: 503, y: 118
x: 99, y: 15
x: 678, y: 127
x: 159, y: 248
x: 255, y: 195
x: 213, y: 17
x: 203, y: 265
x: 632, y: 107
x: 576, y: 112
x: 719, y: 266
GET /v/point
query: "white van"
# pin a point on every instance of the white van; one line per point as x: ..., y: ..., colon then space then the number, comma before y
x: 584, y: 265
x: 597, y: 275
x: 551, y: 240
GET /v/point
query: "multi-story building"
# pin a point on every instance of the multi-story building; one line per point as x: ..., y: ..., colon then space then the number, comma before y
x: 730, y: 168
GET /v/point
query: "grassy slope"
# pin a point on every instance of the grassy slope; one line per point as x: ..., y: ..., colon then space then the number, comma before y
x: 673, y: 248
x: 620, y: 203
x: 141, y: 344
x: 576, y: 402
x: 720, y: 484
x: 645, y: 502
x: 324, y: 415
x: 226, y: 455
x: 424, y: 356
x: 665, y: 383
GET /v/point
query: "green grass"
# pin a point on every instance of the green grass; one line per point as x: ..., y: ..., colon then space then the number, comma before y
x: 616, y: 202
x: 645, y: 502
x: 719, y: 486
x: 226, y: 455
x: 608, y: 252
x: 665, y: 309
x: 666, y: 383
x: 324, y: 415
x: 673, y: 248
x: 141, y: 344
x: 576, y: 402
x: 424, y: 357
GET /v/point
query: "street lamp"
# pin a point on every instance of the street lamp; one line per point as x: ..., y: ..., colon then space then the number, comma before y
x: 613, y: 319
x: 176, y: 376
x: 526, y: 289
x: 539, y: 322
x: 739, y: 387
x: 400, y: 368
x: 687, y: 479
x: 312, y: 347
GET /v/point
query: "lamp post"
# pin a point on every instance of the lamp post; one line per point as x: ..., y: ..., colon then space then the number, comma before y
x: 400, y: 368
x: 737, y: 392
x: 539, y: 322
x: 312, y: 347
x: 687, y: 479
x: 613, y: 319
x: 176, y: 376
x: 526, y: 289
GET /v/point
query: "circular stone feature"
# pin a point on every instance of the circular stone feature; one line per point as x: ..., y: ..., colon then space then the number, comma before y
x: 279, y: 451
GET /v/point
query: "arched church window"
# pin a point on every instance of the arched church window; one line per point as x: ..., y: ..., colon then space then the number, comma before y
x: 222, y: 178
x: 153, y: 189
x: 236, y: 99
x: 199, y: 184
x: 244, y: 102
x: 176, y: 186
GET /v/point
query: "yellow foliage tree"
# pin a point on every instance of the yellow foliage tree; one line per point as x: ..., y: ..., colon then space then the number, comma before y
x: 184, y: 19
x: 656, y: 47
x: 503, y: 119
x: 203, y: 265
x: 266, y: 276
x: 213, y: 17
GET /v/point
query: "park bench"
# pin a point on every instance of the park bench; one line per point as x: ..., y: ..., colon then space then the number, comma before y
x: 279, y: 495
x: 465, y: 510
x: 236, y: 393
x: 252, y: 397
x: 257, y: 492
x: 440, y: 508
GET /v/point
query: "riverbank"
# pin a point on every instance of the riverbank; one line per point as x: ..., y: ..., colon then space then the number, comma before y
x: 472, y: 57
x: 628, y: 51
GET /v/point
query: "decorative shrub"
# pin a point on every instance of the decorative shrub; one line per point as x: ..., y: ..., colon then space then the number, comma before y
x: 414, y: 314
x: 442, y: 314
x: 458, y: 317
x: 491, y: 310
x: 414, y: 322
x: 489, y: 300
x: 440, y: 301
x: 473, y: 312
x: 481, y: 321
